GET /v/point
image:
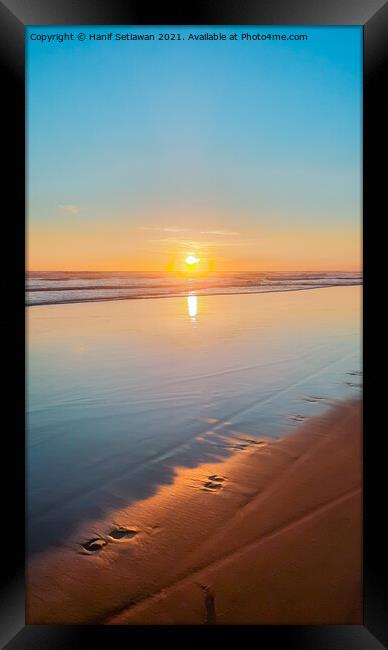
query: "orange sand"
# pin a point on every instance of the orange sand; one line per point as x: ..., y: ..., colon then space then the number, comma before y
x: 278, y: 543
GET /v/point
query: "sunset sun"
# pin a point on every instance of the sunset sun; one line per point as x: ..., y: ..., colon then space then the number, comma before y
x: 191, y: 260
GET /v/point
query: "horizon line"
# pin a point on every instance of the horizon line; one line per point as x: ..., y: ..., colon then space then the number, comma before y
x: 323, y: 270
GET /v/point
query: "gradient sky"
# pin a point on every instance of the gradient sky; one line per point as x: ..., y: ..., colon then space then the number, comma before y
x: 247, y: 154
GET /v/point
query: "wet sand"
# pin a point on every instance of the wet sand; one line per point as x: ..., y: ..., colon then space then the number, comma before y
x: 271, y: 535
x: 121, y: 394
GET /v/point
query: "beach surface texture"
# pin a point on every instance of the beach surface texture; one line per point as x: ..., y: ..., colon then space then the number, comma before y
x: 271, y: 535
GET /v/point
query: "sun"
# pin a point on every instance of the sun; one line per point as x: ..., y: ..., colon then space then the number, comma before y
x: 191, y: 260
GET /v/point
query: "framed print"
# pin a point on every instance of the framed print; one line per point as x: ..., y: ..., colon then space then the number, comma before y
x: 199, y: 191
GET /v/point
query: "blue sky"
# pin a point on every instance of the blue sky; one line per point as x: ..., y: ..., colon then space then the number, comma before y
x: 184, y: 138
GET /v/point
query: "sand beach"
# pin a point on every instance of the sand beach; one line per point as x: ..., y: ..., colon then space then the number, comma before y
x: 270, y: 536
x: 195, y: 462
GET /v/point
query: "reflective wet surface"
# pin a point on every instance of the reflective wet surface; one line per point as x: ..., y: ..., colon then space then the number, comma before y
x: 120, y: 393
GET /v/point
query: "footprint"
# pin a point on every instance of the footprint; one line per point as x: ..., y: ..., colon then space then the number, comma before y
x: 94, y: 545
x: 215, y: 477
x: 213, y: 483
x: 209, y: 602
x: 122, y: 533
x: 209, y: 485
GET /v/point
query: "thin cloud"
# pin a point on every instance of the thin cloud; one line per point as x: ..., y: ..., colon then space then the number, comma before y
x: 70, y: 209
x: 228, y: 233
x: 162, y: 229
x: 167, y: 229
x: 184, y: 243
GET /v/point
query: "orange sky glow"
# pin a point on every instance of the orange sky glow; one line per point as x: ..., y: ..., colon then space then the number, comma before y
x: 105, y: 248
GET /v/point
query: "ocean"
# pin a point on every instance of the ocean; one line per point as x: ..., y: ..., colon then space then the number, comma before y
x: 51, y: 287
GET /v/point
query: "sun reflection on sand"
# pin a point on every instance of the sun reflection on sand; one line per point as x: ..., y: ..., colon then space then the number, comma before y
x: 192, y: 307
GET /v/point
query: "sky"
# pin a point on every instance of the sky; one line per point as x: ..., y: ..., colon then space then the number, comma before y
x: 244, y: 154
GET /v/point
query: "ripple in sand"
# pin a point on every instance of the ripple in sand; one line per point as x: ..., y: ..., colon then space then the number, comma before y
x: 312, y: 399
x: 351, y: 384
x: 298, y: 418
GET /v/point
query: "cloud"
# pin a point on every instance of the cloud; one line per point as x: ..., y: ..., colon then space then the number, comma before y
x: 167, y: 229
x: 184, y: 243
x: 220, y: 232
x: 163, y: 229
x: 70, y: 209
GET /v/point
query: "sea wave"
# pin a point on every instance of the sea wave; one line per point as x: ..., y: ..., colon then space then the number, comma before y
x: 64, y: 287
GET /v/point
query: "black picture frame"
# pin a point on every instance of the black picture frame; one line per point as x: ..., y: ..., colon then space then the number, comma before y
x: 15, y: 15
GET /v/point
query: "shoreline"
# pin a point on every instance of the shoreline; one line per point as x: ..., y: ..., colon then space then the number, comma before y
x: 272, y: 535
x: 185, y: 295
